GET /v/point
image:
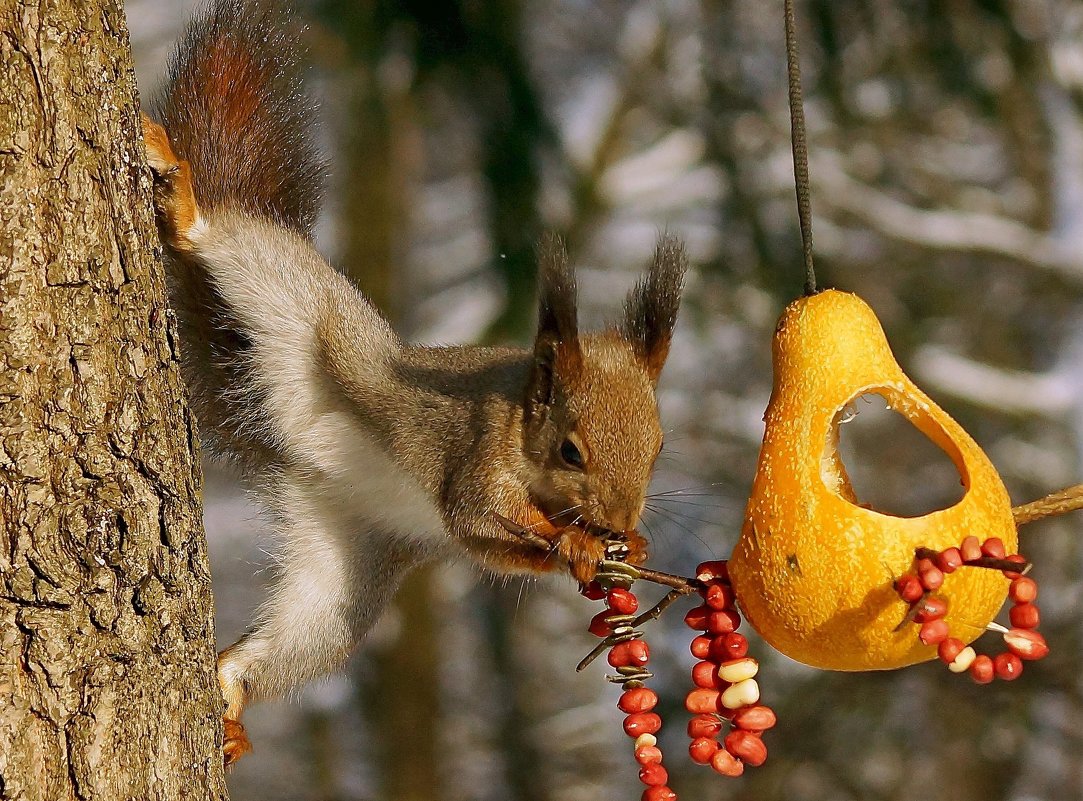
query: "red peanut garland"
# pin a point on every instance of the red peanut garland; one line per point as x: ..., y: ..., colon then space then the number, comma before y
x: 728, y: 722
x: 928, y: 610
x: 629, y: 655
x: 720, y: 646
x: 726, y: 693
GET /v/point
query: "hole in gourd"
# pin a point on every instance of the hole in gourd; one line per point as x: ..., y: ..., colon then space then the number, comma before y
x: 892, y: 466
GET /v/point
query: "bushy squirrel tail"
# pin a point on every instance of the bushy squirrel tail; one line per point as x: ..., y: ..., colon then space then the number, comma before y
x: 234, y: 107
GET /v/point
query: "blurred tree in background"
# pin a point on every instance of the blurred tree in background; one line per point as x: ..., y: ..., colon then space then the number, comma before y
x: 947, y: 161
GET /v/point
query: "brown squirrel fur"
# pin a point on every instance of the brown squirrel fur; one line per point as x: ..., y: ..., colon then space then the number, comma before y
x: 373, y: 455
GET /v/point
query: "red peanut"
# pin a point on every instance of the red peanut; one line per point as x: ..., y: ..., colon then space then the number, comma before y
x: 648, y: 755
x: 1026, y: 644
x: 716, y: 569
x: 661, y: 793
x: 930, y: 608
x: 718, y: 596
x: 723, y: 622
x: 696, y: 618
x: 653, y: 775
x: 949, y: 560
x: 1023, y: 590
x: 747, y: 747
x: 1024, y: 616
x: 704, y: 725
x: 726, y: 763
x: 1019, y: 560
x: 639, y: 699
x: 592, y: 591
x: 622, y: 601
x: 932, y: 578
x: 934, y: 632
x: 701, y: 702
x: 1008, y: 666
x: 700, y: 647
x: 702, y: 749
x: 981, y: 669
x: 598, y: 627
x: 909, y: 588
x: 725, y: 647
x: 704, y: 674
x: 634, y: 653
x: 755, y: 718
x: 642, y: 723
x: 949, y: 649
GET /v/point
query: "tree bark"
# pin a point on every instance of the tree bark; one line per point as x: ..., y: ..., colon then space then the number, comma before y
x: 107, y: 687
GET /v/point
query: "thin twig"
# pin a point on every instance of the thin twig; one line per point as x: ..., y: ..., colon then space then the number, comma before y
x: 651, y: 614
x: 988, y: 562
x: 992, y: 563
x: 655, y: 611
x: 682, y: 584
x: 1056, y: 503
x: 912, y: 612
x: 525, y: 534
x: 597, y: 651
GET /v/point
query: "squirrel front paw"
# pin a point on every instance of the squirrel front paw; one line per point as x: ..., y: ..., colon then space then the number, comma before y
x: 174, y: 198
x: 235, y: 742
x: 583, y: 550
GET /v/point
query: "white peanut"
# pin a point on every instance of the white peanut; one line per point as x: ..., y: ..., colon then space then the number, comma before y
x: 743, y: 693
x: 738, y: 670
x: 963, y: 660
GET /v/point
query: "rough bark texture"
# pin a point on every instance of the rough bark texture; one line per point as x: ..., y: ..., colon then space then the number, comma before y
x: 107, y: 686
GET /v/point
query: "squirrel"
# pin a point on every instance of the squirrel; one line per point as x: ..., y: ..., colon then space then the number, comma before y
x: 371, y: 454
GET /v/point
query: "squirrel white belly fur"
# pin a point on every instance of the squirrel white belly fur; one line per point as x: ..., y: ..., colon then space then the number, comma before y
x: 373, y: 455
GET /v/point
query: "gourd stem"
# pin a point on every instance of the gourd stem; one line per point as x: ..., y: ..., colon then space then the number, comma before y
x: 1055, y: 503
x: 799, y: 146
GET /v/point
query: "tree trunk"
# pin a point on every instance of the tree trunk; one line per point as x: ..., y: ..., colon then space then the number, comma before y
x: 107, y: 687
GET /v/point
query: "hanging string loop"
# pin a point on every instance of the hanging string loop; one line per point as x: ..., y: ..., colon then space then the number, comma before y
x: 799, y: 146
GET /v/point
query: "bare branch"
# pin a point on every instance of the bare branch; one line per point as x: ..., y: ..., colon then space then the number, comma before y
x: 1051, y: 394
x: 1056, y: 503
x: 955, y: 230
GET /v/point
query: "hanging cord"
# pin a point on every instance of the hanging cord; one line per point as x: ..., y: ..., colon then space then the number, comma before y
x: 799, y: 146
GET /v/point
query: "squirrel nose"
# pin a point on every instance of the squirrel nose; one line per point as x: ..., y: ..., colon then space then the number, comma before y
x: 623, y: 516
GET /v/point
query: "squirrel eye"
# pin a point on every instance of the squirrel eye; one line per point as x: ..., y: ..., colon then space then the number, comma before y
x: 570, y: 454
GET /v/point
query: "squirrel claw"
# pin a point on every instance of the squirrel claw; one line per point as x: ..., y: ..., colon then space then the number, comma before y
x: 160, y: 155
x: 235, y: 742
x: 174, y: 199
x: 583, y: 551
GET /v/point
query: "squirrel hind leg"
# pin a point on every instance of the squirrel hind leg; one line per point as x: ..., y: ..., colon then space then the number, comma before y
x: 235, y: 742
x: 295, y: 643
x: 174, y: 196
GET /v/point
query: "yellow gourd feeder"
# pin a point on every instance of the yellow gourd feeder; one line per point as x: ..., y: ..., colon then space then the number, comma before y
x: 831, y: 582
x: 826, y: 580
x: 814, y: 571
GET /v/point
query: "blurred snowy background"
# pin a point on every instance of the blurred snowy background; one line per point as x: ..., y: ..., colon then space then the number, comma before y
x: 947, y: 161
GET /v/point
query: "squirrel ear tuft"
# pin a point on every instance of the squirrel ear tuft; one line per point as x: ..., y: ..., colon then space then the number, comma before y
x: 556, y: 345
x: 557, y: 317
x: 650, y: 311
